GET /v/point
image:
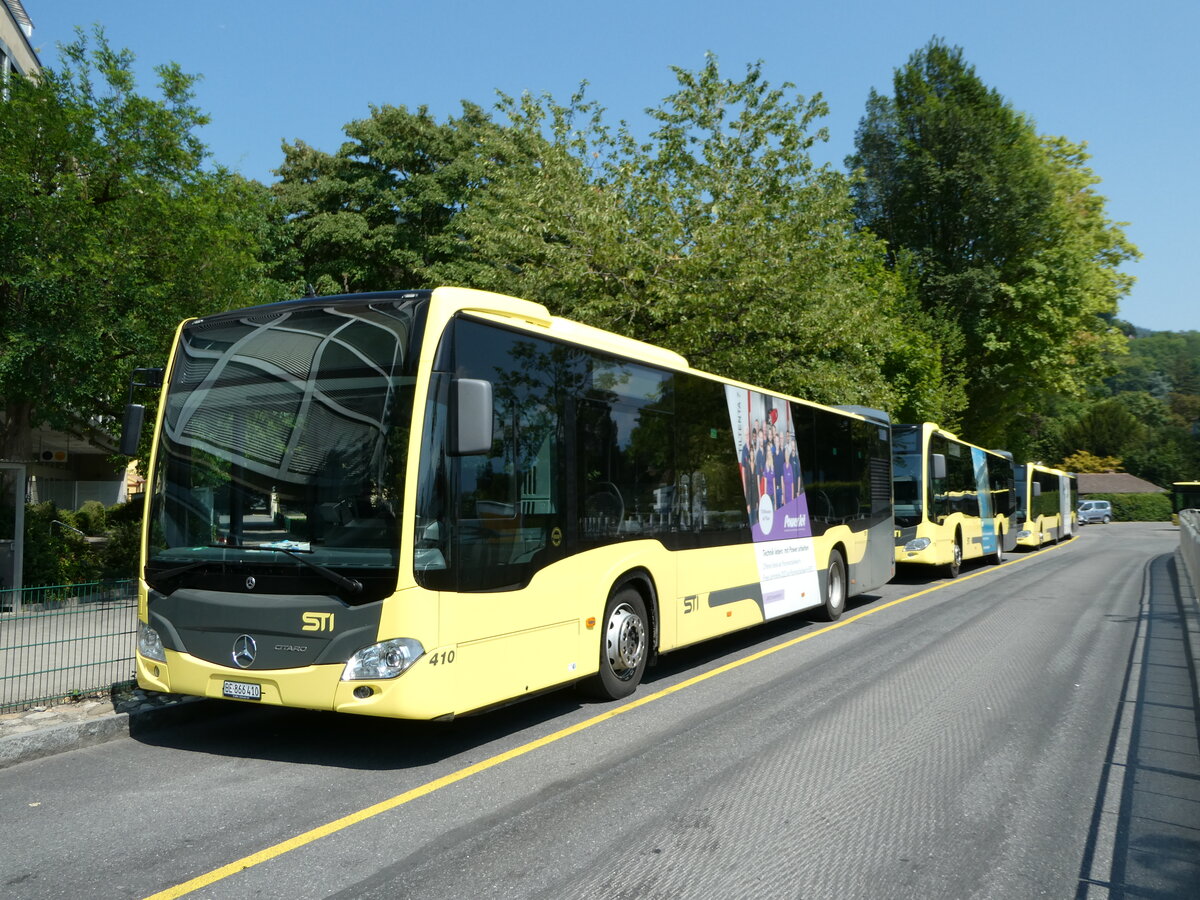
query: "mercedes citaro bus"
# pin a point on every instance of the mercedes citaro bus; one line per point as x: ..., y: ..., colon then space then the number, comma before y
x: 954, y: 501
x: 1184, y: 495
x: 430, y: 503
x: 1047, y: 499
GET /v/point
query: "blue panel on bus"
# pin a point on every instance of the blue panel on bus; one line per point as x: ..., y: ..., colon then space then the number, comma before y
x: 986, y: 507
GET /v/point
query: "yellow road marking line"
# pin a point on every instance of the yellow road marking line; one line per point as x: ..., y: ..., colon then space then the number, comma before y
x: 437, y: 784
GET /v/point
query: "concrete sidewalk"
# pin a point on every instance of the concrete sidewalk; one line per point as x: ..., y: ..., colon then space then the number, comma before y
x: 47, y: 730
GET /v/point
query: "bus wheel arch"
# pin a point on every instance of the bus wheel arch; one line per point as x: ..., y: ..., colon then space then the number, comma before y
x: 628, y: 638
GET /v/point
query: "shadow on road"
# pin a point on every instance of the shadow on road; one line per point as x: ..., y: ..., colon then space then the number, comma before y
x: 311, y: 737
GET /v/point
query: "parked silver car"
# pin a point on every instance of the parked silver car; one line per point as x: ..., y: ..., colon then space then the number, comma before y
x: 1094, y: 511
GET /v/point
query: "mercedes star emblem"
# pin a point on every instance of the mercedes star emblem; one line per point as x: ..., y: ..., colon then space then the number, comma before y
x: 250, y: 583
x: 244, y: 650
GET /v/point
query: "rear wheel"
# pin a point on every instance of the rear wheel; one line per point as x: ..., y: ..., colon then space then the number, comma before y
x: 1105, y: 520
x: 624, y: 648
x: 835, y: 588
x: 998, y: 556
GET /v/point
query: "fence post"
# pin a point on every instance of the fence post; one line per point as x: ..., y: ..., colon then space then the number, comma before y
x: 18, y: 542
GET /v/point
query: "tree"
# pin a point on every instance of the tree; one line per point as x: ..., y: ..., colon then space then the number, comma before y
x: 1106, y: 429
x: 111, y: 231
x: 1007, y: 239
x: 717, y: 237
x: 1083, y: 461
x: 379, y: 213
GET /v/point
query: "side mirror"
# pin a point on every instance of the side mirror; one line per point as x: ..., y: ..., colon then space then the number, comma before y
x: 1037, y: 489
x: 937, y: 462
x: 131, y: 428
x: 470, y: 416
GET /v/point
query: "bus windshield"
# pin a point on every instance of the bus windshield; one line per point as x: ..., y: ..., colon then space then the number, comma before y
x: 283, y: 444
x: 1185, y: 495
x: 906, y: 474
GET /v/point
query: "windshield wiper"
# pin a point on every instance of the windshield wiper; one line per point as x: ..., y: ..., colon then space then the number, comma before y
x: 353, y: 585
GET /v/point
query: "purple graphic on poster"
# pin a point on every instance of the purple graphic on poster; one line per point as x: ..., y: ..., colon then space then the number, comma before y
x: 765, y: 440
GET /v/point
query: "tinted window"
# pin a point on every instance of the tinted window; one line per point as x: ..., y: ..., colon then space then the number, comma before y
x: 625, y: 452
x: 1000, y: 478
x: 489, y: 521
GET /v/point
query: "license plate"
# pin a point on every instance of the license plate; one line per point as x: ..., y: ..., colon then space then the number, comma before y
x: 241, y: 690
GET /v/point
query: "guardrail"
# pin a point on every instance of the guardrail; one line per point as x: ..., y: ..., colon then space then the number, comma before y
x: 1189, y: 542
x: 65, y: 640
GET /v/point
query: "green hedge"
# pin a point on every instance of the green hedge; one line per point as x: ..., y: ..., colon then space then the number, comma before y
x: 1137, y: 507
x: 56, y: 553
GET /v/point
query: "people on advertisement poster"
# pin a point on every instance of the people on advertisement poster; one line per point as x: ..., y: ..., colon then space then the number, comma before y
x: 775, y: 503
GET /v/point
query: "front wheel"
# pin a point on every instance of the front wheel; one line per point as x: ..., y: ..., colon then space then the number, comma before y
x: 835, y: 588
x: 955, y: 565
x: 624, y: 648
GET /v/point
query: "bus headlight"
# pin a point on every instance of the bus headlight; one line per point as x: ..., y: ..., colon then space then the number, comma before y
x: 384, y: 660
x: 1023, y: 535
x: 149, y: 644
x: 917, y: 545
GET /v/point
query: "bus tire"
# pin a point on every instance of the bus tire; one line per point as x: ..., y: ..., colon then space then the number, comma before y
x: 998, y: 556
x: 955, y: 565
x: 624, y: 647
x: 835, y: 588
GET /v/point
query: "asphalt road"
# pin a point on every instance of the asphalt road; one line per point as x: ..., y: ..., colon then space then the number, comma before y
x: 1028, y: 730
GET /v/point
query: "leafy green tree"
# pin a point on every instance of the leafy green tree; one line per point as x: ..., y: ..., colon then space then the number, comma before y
x: 1107, y: 429
x: 1151, y: 411
x: 1008, y: 241
x: 1083, y: 461
x: 379, y: 212
x: 717, y: 237
x: 111, y: 230
x: 1169, y: 455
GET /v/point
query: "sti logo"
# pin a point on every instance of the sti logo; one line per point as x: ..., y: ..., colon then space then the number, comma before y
x: 316, y: 621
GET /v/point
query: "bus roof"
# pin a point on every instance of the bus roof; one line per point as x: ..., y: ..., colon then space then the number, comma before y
x: 933, y: 426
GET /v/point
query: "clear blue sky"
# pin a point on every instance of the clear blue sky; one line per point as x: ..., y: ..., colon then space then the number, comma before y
x: 1121, y: 76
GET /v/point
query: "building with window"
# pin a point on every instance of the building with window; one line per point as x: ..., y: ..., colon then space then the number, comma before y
x: 17, y: 56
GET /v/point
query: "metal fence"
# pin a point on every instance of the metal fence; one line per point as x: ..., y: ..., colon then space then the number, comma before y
x: 65, y: 640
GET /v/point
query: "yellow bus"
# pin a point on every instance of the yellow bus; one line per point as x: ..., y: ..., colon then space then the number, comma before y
x: 953, y: 501
x: 1047, y: 498
x: 1184, y: 495
x: 430, y: 503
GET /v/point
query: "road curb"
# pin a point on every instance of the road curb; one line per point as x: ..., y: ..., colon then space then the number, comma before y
x: 55, y: 739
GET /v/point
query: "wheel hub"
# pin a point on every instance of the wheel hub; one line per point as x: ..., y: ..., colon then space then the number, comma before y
x: 625, y: 640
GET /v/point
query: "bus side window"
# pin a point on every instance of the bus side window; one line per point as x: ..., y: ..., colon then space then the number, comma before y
x: 627, y: 482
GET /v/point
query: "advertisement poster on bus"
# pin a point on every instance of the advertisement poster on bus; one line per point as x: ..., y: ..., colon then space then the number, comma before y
x: 765, y: 440
x: 986, y: 515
